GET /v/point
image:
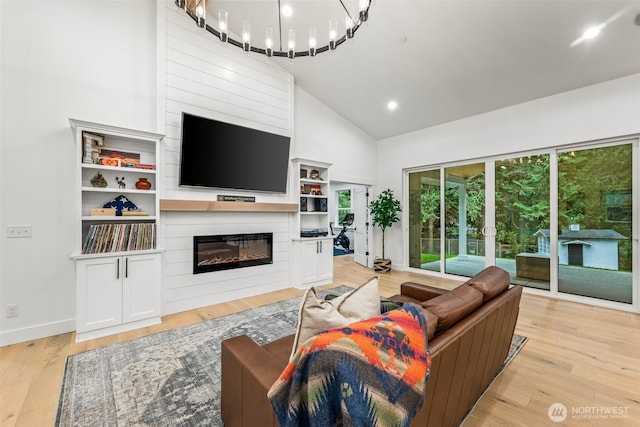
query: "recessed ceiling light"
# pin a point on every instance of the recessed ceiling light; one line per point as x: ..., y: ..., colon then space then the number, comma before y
x: 392, y: 105
x: 287, y: 11
x: 591, y: 33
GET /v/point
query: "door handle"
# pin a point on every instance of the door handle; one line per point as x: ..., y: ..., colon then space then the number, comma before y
x: 491, y: 231
x: 126, y: 268
x: 118, y: 268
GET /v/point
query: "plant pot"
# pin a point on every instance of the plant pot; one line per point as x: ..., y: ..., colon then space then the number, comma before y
x: 382, y: 265
x: 143, y: 184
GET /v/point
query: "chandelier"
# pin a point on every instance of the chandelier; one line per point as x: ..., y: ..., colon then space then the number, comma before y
x: 197, y: 10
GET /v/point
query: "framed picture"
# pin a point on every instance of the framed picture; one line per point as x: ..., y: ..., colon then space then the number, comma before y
x: 127, y: 159
x: 92, y: 144
x: 303, y: 173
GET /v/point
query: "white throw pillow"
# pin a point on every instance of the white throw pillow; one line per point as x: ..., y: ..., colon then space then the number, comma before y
x: 317, y: 315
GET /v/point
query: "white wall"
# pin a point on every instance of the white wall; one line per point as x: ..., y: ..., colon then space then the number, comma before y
x: 322, y: 134
x: 60, y: 59
x: 600, y: 111
x: 207, y: 78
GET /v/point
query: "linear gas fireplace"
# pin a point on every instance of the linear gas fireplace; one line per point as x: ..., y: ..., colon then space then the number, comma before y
x: 213, y: 253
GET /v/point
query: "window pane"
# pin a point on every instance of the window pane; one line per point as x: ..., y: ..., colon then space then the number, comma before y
x: 344, y: 199
x: 594, y: 217
x: 522, y: 219
x: 424, y: 220
x: 464, y: 219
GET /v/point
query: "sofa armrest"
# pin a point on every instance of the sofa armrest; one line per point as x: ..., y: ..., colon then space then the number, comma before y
x: 420, y: 292
x: 248, y: 371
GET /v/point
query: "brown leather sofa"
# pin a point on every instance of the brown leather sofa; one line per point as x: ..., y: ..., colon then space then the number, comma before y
x: 470, y: 330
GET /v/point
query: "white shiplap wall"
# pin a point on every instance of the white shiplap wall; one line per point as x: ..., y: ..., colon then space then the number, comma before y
x: 206, y: 78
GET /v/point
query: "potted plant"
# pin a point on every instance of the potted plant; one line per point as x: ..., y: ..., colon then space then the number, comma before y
x: 384, y: 213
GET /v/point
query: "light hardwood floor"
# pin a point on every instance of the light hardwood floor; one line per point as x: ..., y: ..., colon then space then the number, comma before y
x: 584, y: 357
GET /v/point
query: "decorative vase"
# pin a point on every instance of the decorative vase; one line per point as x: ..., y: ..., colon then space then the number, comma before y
x: 143, y: 184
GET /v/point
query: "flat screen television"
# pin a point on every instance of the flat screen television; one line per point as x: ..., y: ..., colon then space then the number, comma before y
x: 222, y: 155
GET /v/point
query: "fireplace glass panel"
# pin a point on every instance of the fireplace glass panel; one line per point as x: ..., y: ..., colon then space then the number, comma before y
x: 224, y: 252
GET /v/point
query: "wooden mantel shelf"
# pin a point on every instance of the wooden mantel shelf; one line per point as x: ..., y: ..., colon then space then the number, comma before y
x: 211, y: 206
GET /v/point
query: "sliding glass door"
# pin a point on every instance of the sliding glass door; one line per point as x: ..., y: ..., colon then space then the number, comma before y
x: 424, y: 220
x: 595, y: 205
x: 450, y: 199
x: 464, y: 202
x: 560, y: 221
x: 522, y: 219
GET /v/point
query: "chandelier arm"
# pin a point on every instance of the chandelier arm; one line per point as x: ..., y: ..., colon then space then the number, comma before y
x: 279, y: 53
x: 345, y: 9
x: 280, y: 24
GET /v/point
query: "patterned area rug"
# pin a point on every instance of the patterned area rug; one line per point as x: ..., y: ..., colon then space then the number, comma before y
x: 170, y: 378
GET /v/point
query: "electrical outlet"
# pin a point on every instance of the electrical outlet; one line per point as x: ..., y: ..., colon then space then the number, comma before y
x: 19, y: 230
x: 13, y: 310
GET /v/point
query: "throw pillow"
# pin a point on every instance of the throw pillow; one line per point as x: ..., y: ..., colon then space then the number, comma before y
x: 317, y: 315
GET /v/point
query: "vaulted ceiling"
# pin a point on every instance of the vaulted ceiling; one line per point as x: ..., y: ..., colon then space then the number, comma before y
x: 446, y: 60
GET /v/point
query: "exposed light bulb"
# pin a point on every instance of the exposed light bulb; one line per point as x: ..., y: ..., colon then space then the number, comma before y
x: 287, y: 10
x: 348, y: 23
x: 392, y: 105
x: 363, y: 14
x: 246, y: 36
x: 313, y: 41
x: 333, y: 33
x: 222, y: 24
x: 201, y: 13
x: 291, y: 45
x: 268, y: 41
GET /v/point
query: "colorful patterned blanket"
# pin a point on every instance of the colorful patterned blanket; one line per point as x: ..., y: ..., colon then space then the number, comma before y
x: 369, y: 373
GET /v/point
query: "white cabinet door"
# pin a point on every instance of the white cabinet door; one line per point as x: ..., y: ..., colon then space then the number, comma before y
x: 308, y: 269
x: 324, y: 258
x: 317, y: 261
x: 141, y: 287
x: 99, y: 293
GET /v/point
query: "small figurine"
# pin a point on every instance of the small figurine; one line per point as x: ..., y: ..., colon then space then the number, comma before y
x: 120, y: 182
x: 98, y: 180
x: 96, y: 148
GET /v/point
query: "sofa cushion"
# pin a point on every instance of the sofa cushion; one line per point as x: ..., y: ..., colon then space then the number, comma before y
x: 454, y: 305
x: 317, y: 315
x: 492, y: 281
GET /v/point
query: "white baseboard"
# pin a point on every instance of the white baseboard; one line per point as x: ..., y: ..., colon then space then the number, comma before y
x: 44, y: 330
